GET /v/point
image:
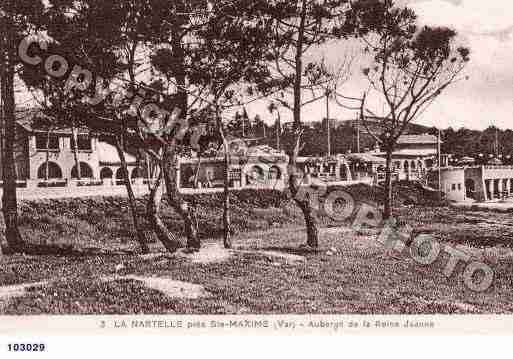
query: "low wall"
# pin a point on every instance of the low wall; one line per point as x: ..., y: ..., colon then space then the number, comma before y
x: 140, y: 189
x: 83, y: 191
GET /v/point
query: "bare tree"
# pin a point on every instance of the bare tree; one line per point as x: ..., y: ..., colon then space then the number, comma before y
x: 412, y: 66
x: 300, y: 27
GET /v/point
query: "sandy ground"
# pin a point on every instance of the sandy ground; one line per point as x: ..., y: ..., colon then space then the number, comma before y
x: 210, y: 253
x: 270, y: 271
x: 19, y: 290
x: 167, y: 286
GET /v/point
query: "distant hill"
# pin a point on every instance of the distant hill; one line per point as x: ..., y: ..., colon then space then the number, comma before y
x: 375, y: 126
x: 344, y: 136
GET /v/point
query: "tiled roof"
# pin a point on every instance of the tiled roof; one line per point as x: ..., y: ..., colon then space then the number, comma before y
x: 415, y: 152
x: 366, y: 157
x: 417, y: 139
x: 27, y: 119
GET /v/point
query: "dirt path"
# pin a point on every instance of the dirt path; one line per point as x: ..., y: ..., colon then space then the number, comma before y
x: 12, y: 291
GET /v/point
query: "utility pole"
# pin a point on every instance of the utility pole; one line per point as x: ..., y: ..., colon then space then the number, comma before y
x: 327, y: 93
x: 439, y: 163
x: 496, y: 142
x: 278, y: 129
x: 357, y: 134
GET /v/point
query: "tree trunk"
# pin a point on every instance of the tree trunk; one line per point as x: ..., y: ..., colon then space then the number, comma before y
x: 74, y: 134
x: 312, y: 233
x: 184, y: 210
x: 141, y: 238
x: 148, y: 170
x: 9, y: 198
x: 196, y: 173
x: 47, y: 159
x: 227, y: 241
x: 163, y: 234
x: 387, y: 212
x: 295, y: 182
x: 170, y: 156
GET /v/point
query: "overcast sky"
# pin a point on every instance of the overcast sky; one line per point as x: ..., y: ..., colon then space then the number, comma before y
x: 487, y: 28
x: 487, y: 96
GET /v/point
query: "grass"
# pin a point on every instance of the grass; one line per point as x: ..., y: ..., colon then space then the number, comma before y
x: 360, y: 278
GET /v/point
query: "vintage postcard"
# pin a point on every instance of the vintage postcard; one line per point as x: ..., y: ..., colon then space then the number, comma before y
x: 255, y: 167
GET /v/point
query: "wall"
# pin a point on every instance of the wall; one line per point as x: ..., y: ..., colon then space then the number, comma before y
x: 476, y: 174
x: 453, y: 184
x: 21, y: 156
x: 213, y: 169
x: 63, y: 157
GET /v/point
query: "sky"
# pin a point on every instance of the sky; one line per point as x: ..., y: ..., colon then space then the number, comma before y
x: 487, y: 28
x: 486, y: 98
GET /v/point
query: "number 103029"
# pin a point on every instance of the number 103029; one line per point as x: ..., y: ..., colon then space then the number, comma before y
x: 25, y: 347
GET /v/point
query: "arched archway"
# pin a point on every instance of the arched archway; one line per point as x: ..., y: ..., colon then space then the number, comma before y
x: 274, y: 173
x: 106, y: 173
x: 54, y: 171
x: 120, y: 173
x: 120, y: 177
x: 470, y: 187
x: 85, y: 171
x: 138, y: 172
x: 255, y: 175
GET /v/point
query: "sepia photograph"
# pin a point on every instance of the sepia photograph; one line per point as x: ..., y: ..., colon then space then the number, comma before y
x: 256, y: 165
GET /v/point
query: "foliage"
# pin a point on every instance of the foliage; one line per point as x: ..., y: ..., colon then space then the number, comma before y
x: 412, y: 65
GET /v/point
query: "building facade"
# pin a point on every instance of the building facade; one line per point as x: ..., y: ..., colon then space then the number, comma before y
x: 254, y: 167
x: 474, y: 183
x: 413, y: 157
x: 46, y: 158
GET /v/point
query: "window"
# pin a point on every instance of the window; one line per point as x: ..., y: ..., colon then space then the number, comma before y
x: 54, y: 171
x: 275, y: 173
x: 454, y: 187
x: 459, y: 186
x: 85, y: 171
x: 42, y: 140
x: 235, y: 174
x: 84, y: 143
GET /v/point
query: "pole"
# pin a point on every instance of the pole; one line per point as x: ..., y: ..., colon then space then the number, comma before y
x: 278, y: 129
x: 439, y: 163
x: 357, y: 134
x: 496, y: 142
x: 328, y: 122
